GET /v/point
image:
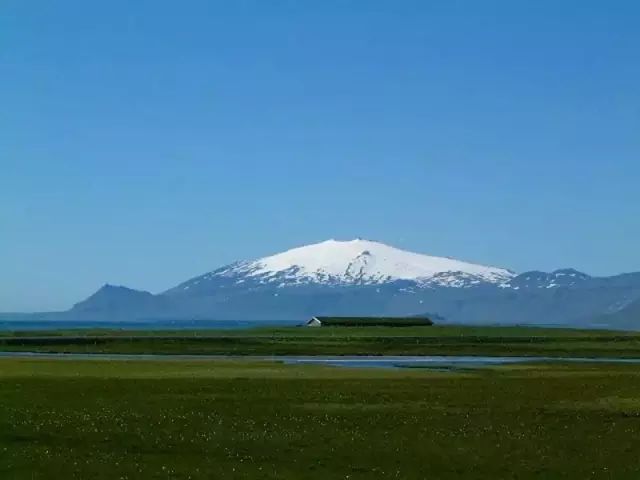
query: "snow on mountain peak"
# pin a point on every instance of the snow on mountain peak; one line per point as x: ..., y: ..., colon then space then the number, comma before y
x: 365, y: 261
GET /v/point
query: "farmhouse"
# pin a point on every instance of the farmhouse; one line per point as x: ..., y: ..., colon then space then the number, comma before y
x: 369, y: 322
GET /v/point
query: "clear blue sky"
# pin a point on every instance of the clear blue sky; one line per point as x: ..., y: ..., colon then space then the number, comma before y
x: 145, y: 142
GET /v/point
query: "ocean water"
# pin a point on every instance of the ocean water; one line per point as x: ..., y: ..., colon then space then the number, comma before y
x: 147, y: 325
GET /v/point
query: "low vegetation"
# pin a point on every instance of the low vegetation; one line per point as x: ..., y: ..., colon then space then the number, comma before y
x: 435, y: 340
x: 241, y: 419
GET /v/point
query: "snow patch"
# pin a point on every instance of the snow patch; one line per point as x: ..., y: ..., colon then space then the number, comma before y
x: 365, y: 262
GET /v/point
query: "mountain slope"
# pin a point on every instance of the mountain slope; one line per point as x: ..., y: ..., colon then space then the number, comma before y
x: 344, y: 263
x: 627, y: 317
x: 112, y: 302
x: 361, y: 277
x: 363, y: 261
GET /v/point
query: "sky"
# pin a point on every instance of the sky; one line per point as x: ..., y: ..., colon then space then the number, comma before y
x: 143, y: 143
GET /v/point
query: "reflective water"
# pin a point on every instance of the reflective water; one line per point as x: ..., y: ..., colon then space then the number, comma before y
x: 442, y: 361
x: 433, y: 361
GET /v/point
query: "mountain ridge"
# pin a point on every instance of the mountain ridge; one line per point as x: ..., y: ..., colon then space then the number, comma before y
x: 361, y: 277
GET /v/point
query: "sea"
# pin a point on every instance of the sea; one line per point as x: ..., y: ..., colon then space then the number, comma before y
x: 24, y: 325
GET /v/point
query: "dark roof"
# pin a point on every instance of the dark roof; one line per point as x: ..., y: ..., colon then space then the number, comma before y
x: 375, y: 321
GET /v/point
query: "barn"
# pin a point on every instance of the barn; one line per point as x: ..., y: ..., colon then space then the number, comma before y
x: 369, y: 322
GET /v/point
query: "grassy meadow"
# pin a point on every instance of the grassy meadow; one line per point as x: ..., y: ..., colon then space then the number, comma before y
x: 240, y: 419
x: 435, y: 340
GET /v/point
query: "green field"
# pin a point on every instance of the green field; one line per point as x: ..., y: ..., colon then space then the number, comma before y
x: 241, y: 419
x: 435, y: 330
x: 436, y: 340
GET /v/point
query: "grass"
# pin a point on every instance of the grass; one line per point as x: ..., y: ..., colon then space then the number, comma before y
x: 436, y: 340
x: 261, y: 420
x: 436, y: 331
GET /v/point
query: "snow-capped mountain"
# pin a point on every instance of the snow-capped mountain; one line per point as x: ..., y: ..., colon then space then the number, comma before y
x: 567, y: 277
x: 353, y: 262
x: 361, y: 277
